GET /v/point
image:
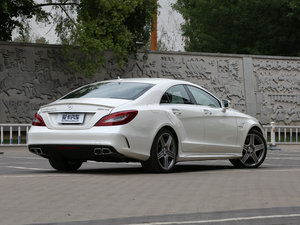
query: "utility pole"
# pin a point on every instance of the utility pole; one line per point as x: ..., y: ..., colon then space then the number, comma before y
x: 154, y: 31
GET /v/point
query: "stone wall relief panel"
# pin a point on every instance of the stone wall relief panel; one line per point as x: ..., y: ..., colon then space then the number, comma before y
x: 229, y: 81
x: 278, y: 90
x: 17, y: 88
x: 31, y: 77
x: 172, y: 67
x: 146, y: 66
x: 221, y: 76
x: 139, y: 65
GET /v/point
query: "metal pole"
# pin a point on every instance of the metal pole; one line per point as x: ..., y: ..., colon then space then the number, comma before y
x: 19, y: 135
x: 10, y: 135
x: 154, y: 31
x: 1, y: 130
x: 273, y: 141
x: 273, y: 133
x: 2, y: 142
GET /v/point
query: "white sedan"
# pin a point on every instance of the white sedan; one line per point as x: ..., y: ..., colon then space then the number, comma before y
x: 156, y: 122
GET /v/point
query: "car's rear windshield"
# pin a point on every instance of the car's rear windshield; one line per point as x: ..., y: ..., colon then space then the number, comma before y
x: 118, y: 90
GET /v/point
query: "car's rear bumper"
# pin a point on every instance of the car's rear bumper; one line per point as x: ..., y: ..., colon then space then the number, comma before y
x: 101, y: 153
x: 85, y: 141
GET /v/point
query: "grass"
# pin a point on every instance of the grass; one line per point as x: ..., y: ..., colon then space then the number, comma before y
x: 14, y: 141
x: 15, y: 138
x: 288, y: 138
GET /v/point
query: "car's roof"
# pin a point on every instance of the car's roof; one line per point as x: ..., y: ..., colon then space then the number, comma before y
x: 149, y: 80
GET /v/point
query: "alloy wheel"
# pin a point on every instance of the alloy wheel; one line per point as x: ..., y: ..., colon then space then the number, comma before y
x: 253, y: 151
x: 166, y: 151
x: 163, y: 153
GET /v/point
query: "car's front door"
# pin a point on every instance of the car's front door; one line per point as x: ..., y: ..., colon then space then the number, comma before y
x: 220, y: 126
x: 187, y: 117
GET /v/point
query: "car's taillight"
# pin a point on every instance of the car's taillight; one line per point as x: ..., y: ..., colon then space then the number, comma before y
x: 118, y: 118
x: 38, y: 120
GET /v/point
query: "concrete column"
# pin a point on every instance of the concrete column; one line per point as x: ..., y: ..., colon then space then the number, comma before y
x: 249, y: 84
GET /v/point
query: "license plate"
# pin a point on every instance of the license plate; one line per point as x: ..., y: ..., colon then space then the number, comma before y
x: 71, y: 118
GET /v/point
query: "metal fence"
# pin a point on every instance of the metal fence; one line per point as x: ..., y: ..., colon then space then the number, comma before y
x: 16, y: 134
x: 282, y: 134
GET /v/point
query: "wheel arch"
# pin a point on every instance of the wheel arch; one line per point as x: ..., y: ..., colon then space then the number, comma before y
x: 256, y: 128
x: 154, y: 163
x: 249, y: 127
x: 176, y: 135
x: 173, y: 132
x: 249, y: 150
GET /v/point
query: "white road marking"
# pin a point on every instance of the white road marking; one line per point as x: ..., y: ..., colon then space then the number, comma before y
x: 283, y: 165
x: 290, y: 155
x: 273, y: 170
x: 33, y: 176
x: 19, y: 157
x: 260, y: 170
x: 27, y: 168
x: 12, y: 163
x: 115, y: 163
x: 221, y: 220
x: 285, y: 158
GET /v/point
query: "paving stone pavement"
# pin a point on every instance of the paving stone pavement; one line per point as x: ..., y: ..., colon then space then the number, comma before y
x: 32, y: 193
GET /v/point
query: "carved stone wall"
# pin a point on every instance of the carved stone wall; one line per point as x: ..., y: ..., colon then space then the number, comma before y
x: 265, y: 87
x: 277, y: 89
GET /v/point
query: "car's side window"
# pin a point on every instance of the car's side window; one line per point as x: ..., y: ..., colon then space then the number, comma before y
x: 203, y: 98
x: 176, y: 95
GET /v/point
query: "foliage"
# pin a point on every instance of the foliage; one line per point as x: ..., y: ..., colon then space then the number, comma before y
x: 26, y: 37
x: 90, y: 26
x: 268, y: 27
x: 41, y: 40
x: 13, y: 14
x: 115, y: 25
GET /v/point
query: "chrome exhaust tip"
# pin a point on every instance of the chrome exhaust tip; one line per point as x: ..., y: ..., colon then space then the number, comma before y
x: 37, y: 151
x: 102, y: 151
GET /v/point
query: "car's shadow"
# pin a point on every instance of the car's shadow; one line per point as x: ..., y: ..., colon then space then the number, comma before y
x: 132, y: 169
x: 136, y: 169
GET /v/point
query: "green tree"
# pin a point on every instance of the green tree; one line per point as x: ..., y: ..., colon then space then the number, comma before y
x: 115, y: 25
x: 14, y: 14
x: 268, y: 27
x: 89, y: 26
x: 25, y: 37
x: 41, y: 40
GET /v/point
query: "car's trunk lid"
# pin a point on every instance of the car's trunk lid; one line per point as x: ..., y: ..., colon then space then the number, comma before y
x: 80, y: 113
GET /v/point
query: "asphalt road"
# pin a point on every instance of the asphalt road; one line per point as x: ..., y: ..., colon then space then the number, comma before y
x: 207, y: 192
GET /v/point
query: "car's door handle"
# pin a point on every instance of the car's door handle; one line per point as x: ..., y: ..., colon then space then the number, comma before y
x: 207, y: 112
x: 176, y: 111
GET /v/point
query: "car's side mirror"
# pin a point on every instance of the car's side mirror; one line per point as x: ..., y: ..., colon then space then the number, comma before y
x: 225, y: 104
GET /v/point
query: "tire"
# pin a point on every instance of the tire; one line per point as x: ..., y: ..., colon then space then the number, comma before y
x: 254, y: 151
x: 163, y: 153
x: 64, y: 164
